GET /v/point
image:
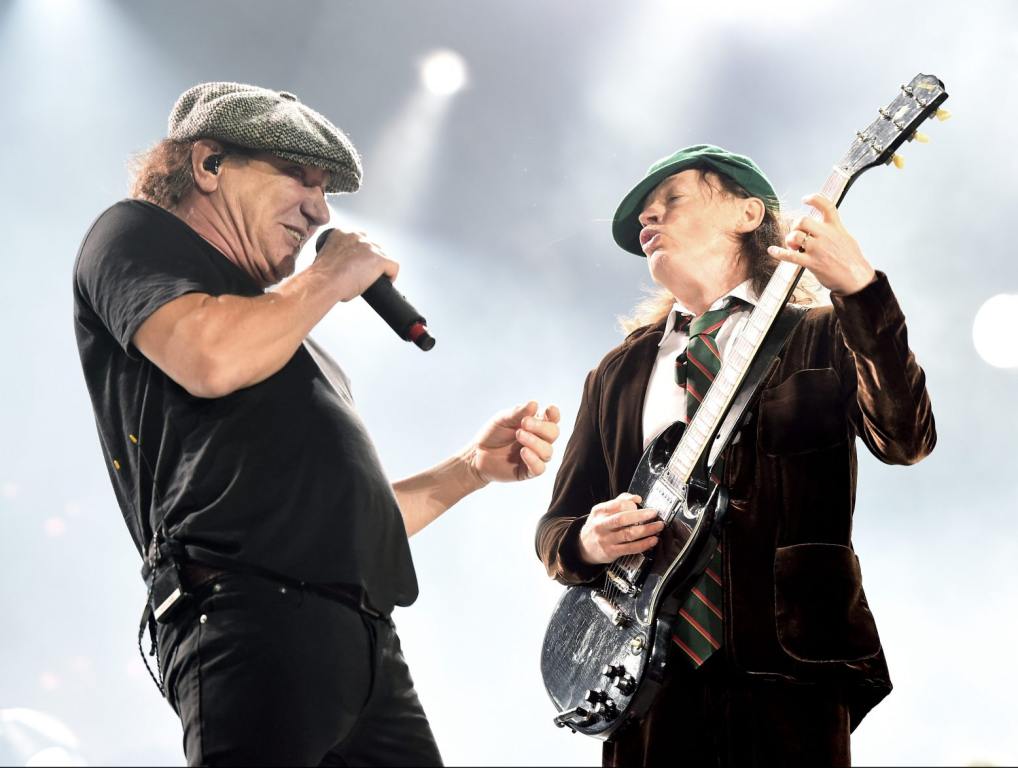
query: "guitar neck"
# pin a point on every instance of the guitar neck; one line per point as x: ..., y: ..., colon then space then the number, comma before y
x: 699, y: 434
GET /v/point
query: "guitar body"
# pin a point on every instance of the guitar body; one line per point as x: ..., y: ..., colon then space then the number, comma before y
x: 605, y: 651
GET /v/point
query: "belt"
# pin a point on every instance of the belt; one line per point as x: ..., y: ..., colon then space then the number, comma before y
x: 195, y: 575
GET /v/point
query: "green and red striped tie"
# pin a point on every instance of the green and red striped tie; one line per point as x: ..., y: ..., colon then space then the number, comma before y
x: 699, y: 628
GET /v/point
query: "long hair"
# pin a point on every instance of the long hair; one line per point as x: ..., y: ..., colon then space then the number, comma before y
x: 162, y: 173
x: 752, y: 248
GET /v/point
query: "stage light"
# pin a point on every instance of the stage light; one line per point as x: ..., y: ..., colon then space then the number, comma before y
x: 993, y: 331
x: 443, y: 72
x: 401, y: 160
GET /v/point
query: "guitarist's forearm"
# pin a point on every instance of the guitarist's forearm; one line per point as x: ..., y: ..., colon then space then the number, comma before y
x: 558, y: 546
x: 896, y: 418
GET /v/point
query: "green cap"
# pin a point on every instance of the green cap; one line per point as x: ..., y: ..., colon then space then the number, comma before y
x: 739, y: 168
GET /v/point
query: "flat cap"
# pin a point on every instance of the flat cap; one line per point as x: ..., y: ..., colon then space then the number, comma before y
x: 269, y: 121
x: 739, y: 168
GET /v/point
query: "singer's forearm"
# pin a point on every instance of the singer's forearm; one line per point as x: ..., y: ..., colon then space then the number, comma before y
x: 425, y: 496
x: 215, y: 345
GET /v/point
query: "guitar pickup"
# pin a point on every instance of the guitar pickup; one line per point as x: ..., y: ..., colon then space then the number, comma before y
x: 615, y: 614
x: 621, y: 582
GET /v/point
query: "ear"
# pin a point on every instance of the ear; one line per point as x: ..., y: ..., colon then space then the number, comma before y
x: 204, y: 179
x: 751, y: 214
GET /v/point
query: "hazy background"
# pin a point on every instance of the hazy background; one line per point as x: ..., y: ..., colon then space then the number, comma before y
x: 497, y: 202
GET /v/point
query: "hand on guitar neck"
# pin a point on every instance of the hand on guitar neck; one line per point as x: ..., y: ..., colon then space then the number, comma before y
x: 822, y: 245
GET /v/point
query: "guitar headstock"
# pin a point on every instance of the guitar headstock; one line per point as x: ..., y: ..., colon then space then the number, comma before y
x: 898, y: 122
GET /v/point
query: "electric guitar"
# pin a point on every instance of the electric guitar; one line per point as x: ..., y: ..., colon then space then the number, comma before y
x: 606, y: 647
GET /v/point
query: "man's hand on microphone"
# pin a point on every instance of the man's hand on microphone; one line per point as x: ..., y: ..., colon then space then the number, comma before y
x: 352, y: 262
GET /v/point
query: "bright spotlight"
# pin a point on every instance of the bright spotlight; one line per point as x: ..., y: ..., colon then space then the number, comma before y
x: 993, y: 331
x: 443, y: 72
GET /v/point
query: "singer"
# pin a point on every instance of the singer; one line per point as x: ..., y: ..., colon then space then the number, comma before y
x: 274, y: 546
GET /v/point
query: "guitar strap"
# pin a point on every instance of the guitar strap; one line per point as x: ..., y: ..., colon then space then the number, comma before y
x: 764, y: 363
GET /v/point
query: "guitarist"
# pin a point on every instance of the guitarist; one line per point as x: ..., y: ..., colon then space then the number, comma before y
x: 790, y: 660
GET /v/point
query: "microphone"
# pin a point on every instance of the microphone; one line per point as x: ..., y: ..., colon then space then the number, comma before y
x: 393, y: 307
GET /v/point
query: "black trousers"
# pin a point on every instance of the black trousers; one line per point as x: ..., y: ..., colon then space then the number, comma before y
x: 713, y: 717
x: 262, y: 674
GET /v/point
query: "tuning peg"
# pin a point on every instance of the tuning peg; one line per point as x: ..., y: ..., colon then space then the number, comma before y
x: 898, y: 160
x: 922, y: 138
x: 943, y: 114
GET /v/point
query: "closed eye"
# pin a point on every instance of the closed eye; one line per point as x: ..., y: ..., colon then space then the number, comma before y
x: 301, y: 174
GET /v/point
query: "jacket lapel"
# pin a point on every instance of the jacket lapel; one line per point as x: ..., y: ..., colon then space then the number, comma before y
x: 623, y: 394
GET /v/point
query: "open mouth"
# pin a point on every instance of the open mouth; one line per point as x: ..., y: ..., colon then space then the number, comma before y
x: 297, y: 235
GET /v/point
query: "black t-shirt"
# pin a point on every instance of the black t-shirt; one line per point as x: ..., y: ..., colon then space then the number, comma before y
x: 281, y: 475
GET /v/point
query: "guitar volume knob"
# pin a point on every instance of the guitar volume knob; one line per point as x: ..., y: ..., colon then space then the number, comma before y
x: 612, y: 671
x: 607, y: 710
x: 626, y: 684
x: 595, y: 696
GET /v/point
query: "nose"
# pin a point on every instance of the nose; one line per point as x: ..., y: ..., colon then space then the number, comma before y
x: 651, y: 214
x: 314, y: 208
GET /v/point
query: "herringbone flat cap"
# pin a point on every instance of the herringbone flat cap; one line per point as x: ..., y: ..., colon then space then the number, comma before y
x: 270, y: 121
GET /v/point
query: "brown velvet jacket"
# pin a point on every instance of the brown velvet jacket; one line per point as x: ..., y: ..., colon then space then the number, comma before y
x: 794, y: 604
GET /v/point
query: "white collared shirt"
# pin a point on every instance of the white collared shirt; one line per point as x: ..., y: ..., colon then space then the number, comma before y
x: 665, y: 402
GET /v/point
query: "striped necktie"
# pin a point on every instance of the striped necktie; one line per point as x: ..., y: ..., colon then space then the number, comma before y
x: 699, y: 628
